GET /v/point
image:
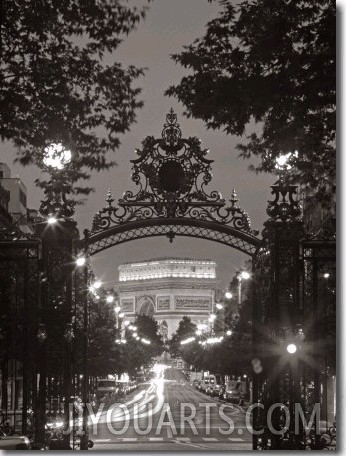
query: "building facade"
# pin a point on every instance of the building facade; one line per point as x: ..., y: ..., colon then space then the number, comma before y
x: 13, y: 200
x: 168, y: 289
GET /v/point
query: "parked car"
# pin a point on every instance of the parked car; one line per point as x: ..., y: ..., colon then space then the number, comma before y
x: 106, y: 389
x: 235, y: 391
x: 215, y: 385
x: 14, y: 442
x: 204, y: 385
x: 197, y: 384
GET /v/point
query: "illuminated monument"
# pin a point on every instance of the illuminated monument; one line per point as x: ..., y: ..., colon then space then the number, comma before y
x: 168, y: 289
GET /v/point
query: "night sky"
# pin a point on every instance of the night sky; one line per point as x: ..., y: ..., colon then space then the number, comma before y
x: 169, y: 25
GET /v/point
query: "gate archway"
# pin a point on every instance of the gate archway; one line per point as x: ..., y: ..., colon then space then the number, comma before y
x: 171, y: 174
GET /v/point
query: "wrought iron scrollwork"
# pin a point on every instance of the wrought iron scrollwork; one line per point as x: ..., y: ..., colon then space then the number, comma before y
x: 285, y: 207
x: 172, y: 174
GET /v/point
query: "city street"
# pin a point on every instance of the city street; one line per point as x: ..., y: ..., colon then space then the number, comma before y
x: 160, y: 401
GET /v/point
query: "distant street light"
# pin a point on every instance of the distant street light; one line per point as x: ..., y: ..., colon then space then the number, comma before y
x: 97, y: 284
x: 291, y: 348
x: 243, y: 275
x: 81, y: 261
x: 117, y: 309
x: 110, y: 299
x: 212, y: 317
x: 219, y: 306
x: 187, y: 341
x: 228, y: 295
x: 229, y: 332
x: 202, y: 326
x: 145, y: 341
x: 121, y: 315
x: 51, y: 220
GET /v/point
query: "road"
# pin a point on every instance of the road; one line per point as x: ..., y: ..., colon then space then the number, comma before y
x: 167, y: 413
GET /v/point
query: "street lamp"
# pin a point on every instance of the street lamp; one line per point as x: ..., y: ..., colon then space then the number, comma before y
x: 51, y: 220
x: 282, y: 161
x: 291, y: 348
x: 245, y: 275
x: 241, y: 275
x: 110, y: 299
x: 228, y: 295
x: 80, y: 261
x: 97, y: 284
x: 56, y: 156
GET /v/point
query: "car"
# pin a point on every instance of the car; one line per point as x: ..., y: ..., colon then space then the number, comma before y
x: 14, y: 442
x: 199, y: 385
x: 235, y: 392
x: 212, y: 384
x: 216, y: 384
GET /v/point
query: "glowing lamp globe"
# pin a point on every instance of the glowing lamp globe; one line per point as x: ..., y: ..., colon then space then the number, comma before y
x: 245, y: 275
x: 291, y: 348
x: 80, y: 261
x: 51, y: 220
x: 56, y: 156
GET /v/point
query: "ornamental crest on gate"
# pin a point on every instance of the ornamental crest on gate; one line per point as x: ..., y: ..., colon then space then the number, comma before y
x: 172, y: 174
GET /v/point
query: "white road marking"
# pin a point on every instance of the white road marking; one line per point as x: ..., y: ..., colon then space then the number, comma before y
x: 235, y: 439
x: 210, y: 439
x: 101, y: 440
x: 129, y: 439
x: 183, y: 439
x: 156, y: 439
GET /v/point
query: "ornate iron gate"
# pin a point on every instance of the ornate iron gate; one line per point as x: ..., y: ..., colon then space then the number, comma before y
x: 19, y: 302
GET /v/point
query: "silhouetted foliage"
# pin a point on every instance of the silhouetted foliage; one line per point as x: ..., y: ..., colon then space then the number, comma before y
x: 60, y: 81
x: 271, y: 63
x: 185, y: 329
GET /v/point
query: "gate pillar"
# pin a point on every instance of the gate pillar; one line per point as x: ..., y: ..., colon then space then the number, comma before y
x: 278, y: 317
x: 56, y: 317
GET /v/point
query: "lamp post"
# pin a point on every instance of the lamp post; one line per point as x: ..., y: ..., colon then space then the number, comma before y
x: 241, y: 275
